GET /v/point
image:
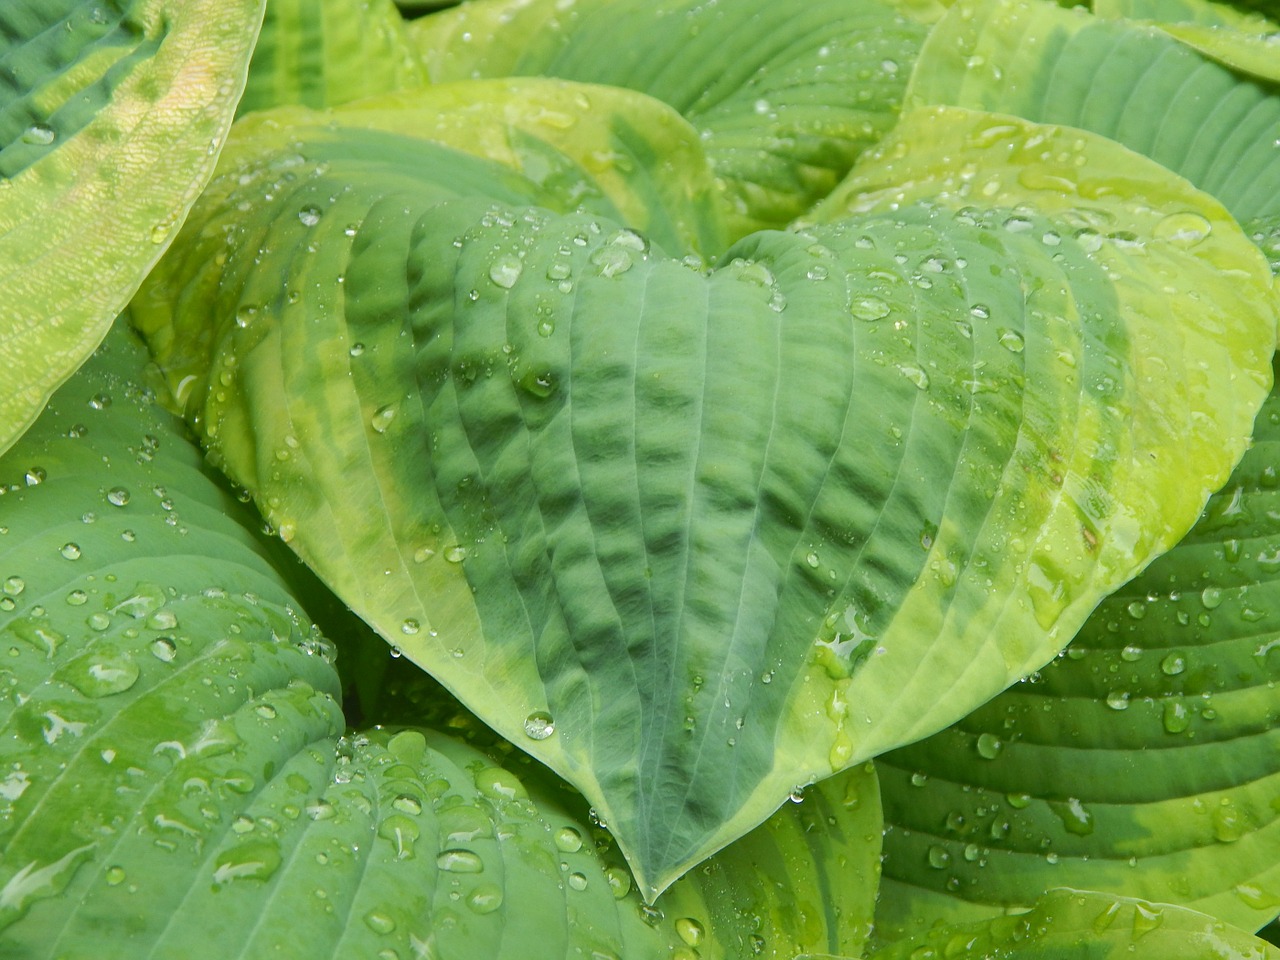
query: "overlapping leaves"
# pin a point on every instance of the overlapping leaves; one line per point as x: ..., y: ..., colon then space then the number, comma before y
x: 175, y: 782
x: 750, y: 521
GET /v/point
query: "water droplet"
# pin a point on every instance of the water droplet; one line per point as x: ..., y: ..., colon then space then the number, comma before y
x: 115, y: 876
x: 1137, y: 609
x: 1012, y: 340
x: 266, y: 711
x: 989, y: 746
x: 382, y: 418
x: 539, y: 725
x: 14, y: 586
x: 690, y: 931
x: 500, y: 784
x: 71, y: 551
x: 619, y: 881
x: 118, y: 496
x: 456, y: 553
x: 505, y: 271
x: 356, y: 350
x: 1211, y: 598
x: 1182, y: 229
x: 423, y: 554
x: 938, y: 857
x: 485, y: 898
x: 1075, y: 818
x: 869, y: 308
x: 915, y: 374
x: 101, y: 675
x: 35, y: 476
x: 100, y: 401
x: 457, y: 860
x: 379, y: 923
x: 309, y: 215
x: 407, y: 804
x: 164, y: 649
x: 320, y: 810
x: 1118, y: 699
x: 39, y: 134
x: 1176, y: 718
x: 578, y: 881
x: 410, y: 627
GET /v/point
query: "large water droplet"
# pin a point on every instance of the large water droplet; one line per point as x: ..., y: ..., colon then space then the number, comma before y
x: 869, y: 308
x: 458, y: 860
x: 539, y: 725
x: 1182, y: 229
x: 102, y: 674
x: 309, y: 215
x: 485, y: 898
x: 505, y: 271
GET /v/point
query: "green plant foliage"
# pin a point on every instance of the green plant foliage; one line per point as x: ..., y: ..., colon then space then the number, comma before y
x: 698, y: 480
x: 170, y: 741
x: 111, y: 117
x: 1139, y: 762
x: 1081, y: 925
x: 573, y: 466
x: 783, y: 110
x: 322, y: 54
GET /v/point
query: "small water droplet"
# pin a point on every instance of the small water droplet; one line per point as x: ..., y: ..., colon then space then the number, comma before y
x: 39, y: 134
x: 619, y: 881
x: 869, y: 308
x: 938, y: 857
x: 410, y: 627
x: 539, y: 725
x: 164, y: 649
x: 485, y: 898
x: 989, y: 746
x: 379, y: 923
x: 690, y: 931
x: 309, y: 215
x: 456, y: 554
x: 578, y: 881
x: 1118, y: 700
x: 1176, y: 718
x: 1012, y: 340
x: 118, y: 496
x: 115, y: 876
x: 407, y: 804
x: 457, y: 860
x: 266, y: 711
x: 14, y: 586
x: 568, y: 840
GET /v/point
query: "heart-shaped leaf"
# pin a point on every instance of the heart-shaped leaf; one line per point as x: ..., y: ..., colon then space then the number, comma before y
x: 694, y: 538
x: 173, y: 783
x: 111, y: 117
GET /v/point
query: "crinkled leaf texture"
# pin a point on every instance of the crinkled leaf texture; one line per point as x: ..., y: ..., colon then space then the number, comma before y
x: 174, y: 783
x: 1141, y: 762
x: 694, y: 538
x: 784, y: 96
x: 321, y: 53
x: 111, y: 117
x: 1083, y: 925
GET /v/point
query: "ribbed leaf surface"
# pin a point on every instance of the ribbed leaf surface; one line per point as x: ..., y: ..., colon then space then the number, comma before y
x: 784, y: 96
x: 172, y: 782
x: 695, y: 538
x: 111, y: 117
x: 1051, y: 65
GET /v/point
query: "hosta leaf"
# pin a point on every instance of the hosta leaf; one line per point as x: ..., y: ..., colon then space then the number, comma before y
x: 1248, y: 42
x: 1083, y: 925
x: 111, y: 116
x: 1052, y: 65
x: 322, y: 54
x: 785, y: 97
x: 174, y: 784
x: 1141, y: 762
x: 696, y: 538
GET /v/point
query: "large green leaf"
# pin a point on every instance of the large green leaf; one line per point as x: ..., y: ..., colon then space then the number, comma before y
x: 1142, y: 762
x: 111, y: 117
x: 1246, y: 42
x: 696, y: 538
x: 174, y: 784
x: 1033, y: 59
x: 784, y: 96
x: 321, y: 53
x: 1082, y: 925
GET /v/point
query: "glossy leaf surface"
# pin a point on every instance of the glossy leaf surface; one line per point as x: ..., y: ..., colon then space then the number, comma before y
x: 1082, y: 925
x: 756, y: 524
x: 174, y: 780
x: 111, y: 117
x: 784, y: 97
x: 1141, y: 762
